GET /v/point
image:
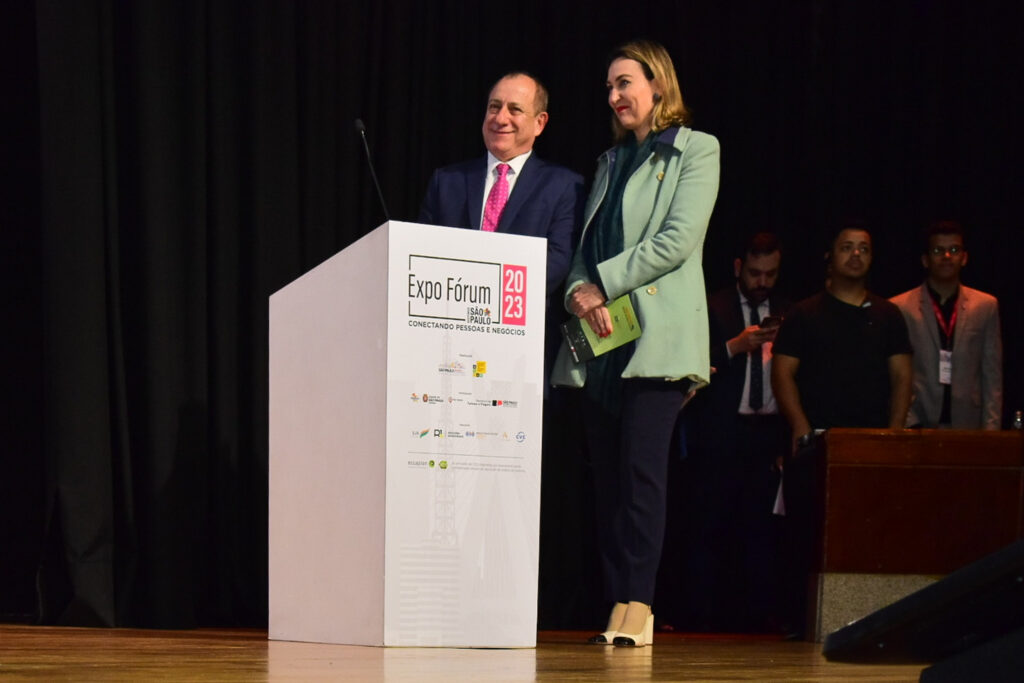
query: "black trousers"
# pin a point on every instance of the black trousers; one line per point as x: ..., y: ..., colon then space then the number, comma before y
x: 629, y: 455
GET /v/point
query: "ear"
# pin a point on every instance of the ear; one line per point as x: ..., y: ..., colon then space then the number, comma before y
x: 656, y: 89
x: 542, y: 120
x: 737, y: 266
x: 963, y: 256
x: 924, y: 261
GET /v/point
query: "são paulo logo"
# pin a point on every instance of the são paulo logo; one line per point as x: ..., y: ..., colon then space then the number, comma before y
x: 451, y: 368
x: 480, y: 315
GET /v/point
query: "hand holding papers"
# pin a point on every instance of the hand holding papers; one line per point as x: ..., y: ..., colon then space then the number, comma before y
x: 584, y: 342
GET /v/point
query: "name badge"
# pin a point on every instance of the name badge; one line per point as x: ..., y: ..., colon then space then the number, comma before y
x: 945, y: 367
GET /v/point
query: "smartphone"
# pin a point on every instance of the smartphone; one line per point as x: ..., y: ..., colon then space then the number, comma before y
x: 771, y: 321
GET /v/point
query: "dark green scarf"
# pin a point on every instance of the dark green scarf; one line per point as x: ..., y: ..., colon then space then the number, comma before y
x: 603, y: 241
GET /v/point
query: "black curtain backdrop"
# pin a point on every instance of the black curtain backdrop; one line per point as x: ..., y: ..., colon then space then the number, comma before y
x: 178, y: 161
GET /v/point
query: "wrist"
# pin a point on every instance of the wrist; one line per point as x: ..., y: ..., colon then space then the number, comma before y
x: 805, y: 440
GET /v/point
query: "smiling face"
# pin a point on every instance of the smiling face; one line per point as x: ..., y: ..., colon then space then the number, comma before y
x: 631, y: 96
x: 945, y: 258
x: 511, y: 122
x: 851, y: 254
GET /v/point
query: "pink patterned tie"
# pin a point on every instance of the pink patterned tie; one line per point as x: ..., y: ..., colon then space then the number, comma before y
x: 496, y: 200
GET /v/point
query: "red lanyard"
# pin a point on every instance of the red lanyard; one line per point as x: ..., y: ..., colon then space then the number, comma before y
x: 947, y: 328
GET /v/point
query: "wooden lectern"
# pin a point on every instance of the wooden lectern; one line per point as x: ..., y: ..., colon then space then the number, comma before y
x: 898, y: 510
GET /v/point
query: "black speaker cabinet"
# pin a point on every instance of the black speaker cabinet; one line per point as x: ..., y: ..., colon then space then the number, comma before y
x: 997, y: 661
x: 981, y: 603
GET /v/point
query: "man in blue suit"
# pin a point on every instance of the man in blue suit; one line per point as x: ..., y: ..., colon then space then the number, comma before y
x: 544, y: 200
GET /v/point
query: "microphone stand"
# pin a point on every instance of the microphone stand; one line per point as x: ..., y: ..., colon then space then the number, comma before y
x: 361, y: 128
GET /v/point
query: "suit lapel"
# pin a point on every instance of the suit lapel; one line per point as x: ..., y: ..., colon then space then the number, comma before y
x: 963, y: 306
x: 525, y: 183
x: 928, y: 316
x: 776, y: 304
x: 475, y: 183
x: 739, y: 322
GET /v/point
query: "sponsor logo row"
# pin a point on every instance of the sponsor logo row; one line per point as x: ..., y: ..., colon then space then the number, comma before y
x: 438, y: 433
x: 431, y: 399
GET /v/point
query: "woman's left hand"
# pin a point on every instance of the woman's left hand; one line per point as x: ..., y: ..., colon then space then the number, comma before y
x: 600, y: 321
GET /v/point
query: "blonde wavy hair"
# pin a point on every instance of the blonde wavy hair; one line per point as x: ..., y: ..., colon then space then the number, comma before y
x: 669, y: 110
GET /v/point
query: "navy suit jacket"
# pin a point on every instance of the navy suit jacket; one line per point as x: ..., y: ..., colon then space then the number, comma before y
x: 720, y: 402
x: 546, y: 201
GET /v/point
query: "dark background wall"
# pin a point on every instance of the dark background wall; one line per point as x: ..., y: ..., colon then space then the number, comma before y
x: 174, y: 163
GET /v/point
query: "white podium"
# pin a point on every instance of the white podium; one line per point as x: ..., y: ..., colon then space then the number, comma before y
x: 406, y: 385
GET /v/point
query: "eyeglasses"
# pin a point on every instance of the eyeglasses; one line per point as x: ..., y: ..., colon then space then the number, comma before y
x: 952, y: 250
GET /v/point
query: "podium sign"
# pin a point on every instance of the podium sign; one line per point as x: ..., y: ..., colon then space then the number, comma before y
x: 406, y: 385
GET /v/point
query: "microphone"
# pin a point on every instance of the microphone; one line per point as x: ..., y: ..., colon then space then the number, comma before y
x: 361, y: 128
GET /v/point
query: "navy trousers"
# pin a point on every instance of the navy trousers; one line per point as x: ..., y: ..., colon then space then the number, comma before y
x: 629, y: 455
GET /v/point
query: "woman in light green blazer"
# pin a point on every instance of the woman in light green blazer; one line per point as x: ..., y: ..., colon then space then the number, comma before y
x: 643, y: 235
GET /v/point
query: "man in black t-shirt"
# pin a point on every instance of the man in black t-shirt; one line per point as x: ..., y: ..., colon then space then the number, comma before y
x: 843, y: 357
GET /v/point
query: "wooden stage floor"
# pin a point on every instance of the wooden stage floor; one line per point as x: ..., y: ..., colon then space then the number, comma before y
x: 34, y: 653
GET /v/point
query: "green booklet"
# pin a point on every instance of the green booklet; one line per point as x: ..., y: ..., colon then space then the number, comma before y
x: 584, y: 343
